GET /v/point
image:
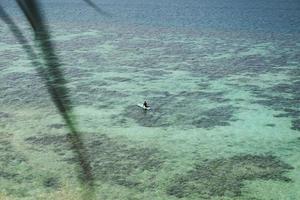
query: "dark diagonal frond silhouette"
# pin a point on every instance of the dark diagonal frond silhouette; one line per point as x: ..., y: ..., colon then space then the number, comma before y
x: 99, y: 10
x: 54, y: 80
x: 19, y: 36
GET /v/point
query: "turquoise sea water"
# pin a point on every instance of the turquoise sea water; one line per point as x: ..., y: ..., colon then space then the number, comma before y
x: 223, y: 85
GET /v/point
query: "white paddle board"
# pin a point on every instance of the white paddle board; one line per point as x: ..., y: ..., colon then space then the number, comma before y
x: 142, y: 106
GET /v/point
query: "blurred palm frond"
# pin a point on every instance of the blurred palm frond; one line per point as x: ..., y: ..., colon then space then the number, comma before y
x: 99, y: 10
x: 55, y: 82
x: 19, y: 36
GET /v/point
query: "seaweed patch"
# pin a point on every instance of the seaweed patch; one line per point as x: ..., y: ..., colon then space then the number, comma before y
x: 226, y: 176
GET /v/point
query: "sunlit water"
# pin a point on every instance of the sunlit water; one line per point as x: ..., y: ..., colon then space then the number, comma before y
x: 224, y: 95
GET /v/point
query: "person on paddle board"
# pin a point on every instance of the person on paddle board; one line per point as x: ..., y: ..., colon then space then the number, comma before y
x: 145, y: 104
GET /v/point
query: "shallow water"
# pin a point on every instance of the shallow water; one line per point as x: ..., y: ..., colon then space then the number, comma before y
x: 224, y: 122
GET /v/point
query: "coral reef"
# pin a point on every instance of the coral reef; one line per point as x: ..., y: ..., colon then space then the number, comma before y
x: 111, y: 160
x: 226, y: 176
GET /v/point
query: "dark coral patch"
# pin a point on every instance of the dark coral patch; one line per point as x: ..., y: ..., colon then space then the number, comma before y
x: 280, y: 97
x: 47, y: 140
x: 14, y: 167
x: 158, y: 73
x: 271, y: 125
x: 283, y: 88
x: 226, y: 176
x: 117, y: 162
x: 4, y: 115
x: 111, y: 160
x: 51, y: 182
x: 9, y: 157
x: 220, y: 116
x: 19, y: 88
x: 95, y: 94
x: 56, y: 126
x: 296, y: 125
x: 118, y: 79
x: 288, y: 112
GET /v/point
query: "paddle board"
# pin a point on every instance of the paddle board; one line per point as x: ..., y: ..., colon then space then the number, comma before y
x: 142, y: 106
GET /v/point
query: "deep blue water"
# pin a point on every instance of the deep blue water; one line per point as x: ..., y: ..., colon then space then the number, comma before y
x: 256, y: 15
